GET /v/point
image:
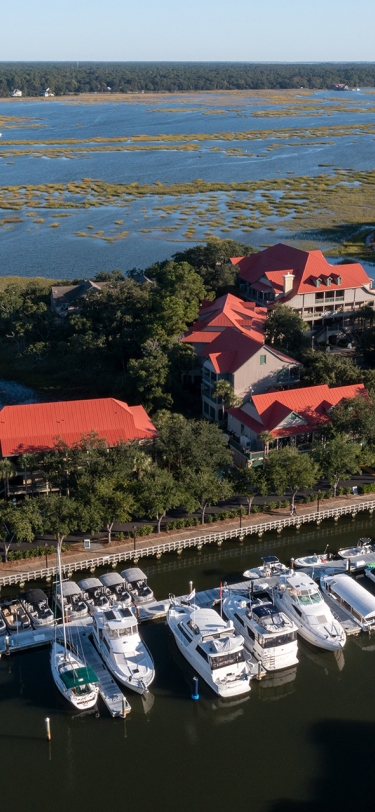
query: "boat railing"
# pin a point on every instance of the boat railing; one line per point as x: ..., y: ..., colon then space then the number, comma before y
x: 276, y: 524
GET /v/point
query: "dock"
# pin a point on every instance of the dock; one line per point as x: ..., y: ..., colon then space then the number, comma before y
x: 112, y: 696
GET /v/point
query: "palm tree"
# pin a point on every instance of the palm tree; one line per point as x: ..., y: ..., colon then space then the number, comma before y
x: 7, y: 470
x: 266, y: 438
x: 224, y: 390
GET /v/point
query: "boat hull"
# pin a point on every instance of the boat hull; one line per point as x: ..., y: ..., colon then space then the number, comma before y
x: 139, y: 687
x: 329, y: 644
x: 58, y: 656
x: 229, y: 690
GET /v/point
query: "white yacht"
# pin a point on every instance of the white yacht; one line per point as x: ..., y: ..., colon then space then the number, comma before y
x: 115, y: 588
x: 268, y: 633
x: 353, y: 598
x: 76, y: 681
x: 136, y: 583
x: 299, y: 597
x: 117, y: 639
x: 271, y: 566
x: 35, y: 602
x: 93, y: 594
x: 320, y: 562
x: 212, y: 647
x: 72, y: 600
x: 359, y: 556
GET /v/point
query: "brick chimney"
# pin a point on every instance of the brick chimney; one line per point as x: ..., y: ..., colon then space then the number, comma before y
x: 288, y: 282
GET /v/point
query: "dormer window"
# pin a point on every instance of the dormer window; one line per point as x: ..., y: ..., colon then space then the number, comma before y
x: 328, y: 281
x: 338, y: 280
x: 318, y: 282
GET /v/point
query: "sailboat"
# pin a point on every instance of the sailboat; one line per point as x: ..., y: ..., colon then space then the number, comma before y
x: 76, y: 681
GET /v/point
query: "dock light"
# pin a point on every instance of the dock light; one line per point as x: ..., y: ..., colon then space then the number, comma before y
x: 195, y: 694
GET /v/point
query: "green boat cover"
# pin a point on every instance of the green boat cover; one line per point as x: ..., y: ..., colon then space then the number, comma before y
x: 78, y: 677
x: 371, y: 566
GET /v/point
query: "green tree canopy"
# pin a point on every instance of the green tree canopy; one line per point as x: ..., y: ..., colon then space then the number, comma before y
x: 249, y: 482
x: 19, y: 522
x: 285, y: 329
x: 156, y: 493
x: 337, y: 458
x: 288, y: 469
x: 207, y: 488
x: 330, y: 368
x: 354, y: 417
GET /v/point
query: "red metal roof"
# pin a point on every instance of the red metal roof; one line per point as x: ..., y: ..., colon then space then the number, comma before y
x: 307, y: 266
x: 231, y: 349
x: 311, y: 403
x: 35, y: 427
x: 227, y: 311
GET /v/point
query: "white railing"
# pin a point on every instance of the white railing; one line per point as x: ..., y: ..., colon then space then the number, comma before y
x: 278, y: 523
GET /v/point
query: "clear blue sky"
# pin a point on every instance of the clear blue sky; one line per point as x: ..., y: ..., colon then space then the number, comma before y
x: 238, y: 30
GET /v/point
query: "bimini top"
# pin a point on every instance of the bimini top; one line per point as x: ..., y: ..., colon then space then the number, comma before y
x: 300, y: 580
x: 270, y: 559
x: 90, y: 583
x: 353, y: 593
x: 111, y: 579
x: 133, y: 574
x: 78, y: 677
x: 69, y: 588
x: 117, y: 618
x: 35, y: 596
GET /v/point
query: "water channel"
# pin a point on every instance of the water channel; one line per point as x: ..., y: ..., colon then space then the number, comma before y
x: 302, y: 740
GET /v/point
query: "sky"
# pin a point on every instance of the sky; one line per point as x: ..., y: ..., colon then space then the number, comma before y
x: 197, y: 30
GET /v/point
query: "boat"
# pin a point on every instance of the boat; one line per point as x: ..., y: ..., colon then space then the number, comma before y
x: 3, y: 627
x: 212, y: 647
x: 93, y: 594
x: 136, y: 583
x: 116, y: 636
x: 15, y: 617
x: 271, y: 566
x: 35, y: 602
x: 74, y: 605
x: 321, y: 562
x: 353, y: 598
x: 75, y: 680
x: 370, y: 571
x: 268, y: 633
x: 115, y: 588
x: 299, y: 597
x: 358, y: 556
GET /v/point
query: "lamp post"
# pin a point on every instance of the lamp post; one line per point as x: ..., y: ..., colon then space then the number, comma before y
x: 46, y: 554
x: 318, y: 501
x: 134, y: 535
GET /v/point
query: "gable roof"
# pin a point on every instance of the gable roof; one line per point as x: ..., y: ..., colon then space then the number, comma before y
x: 231, y: 349
x: 35, y: 427
x: 226, y: 311
x: 307, y: 266
x: 311, y: 404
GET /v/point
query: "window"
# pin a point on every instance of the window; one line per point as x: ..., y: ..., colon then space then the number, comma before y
x: 319, y: 296
x: 263, y: 360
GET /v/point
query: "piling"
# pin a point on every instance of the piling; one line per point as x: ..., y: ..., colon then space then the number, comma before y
x: 259, y: 670
x: 190, y: 587
x: 7, y: 651
x: 291, y: 563
x: 48, y: 728
x: 195, y: 694
x: 124, y: 706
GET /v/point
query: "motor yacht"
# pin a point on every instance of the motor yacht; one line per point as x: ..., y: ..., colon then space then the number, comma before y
x: 15, y: 617
x: 271, y: 567
x: 35, y: 602
x: 117, y: 639
x: 321, y: 562
x: 93, y: 593
x: 359, y: 556
x: 353, y: 598
x: 268, y: 633
x: 75, y: 680
x: 115, y: 588
x: 212, y: 647
x: 299, y: 598
x: 74, y: 605
x: 136, y: 583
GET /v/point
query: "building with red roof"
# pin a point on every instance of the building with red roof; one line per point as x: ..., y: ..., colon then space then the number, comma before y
x: 34, y: 428
x: 291, y: 417
x: 226, y: 311
x: 305, y: 281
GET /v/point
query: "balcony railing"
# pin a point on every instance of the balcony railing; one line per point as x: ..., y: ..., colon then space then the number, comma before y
x: 250, y: 455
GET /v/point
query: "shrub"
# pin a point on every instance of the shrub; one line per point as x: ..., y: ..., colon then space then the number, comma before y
x: 368, y: 488
x: 145, y: 530
x: 347, y: 491
x: 326, y: 495
x: 272, y: 505
x: 340, y: 491
x: 256, y: 509
x: 33, y: 552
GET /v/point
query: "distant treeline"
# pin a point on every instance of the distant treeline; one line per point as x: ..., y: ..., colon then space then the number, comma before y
x: 126, y: 77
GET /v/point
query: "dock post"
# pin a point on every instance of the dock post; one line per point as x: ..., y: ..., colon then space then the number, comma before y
x: 195, y: 694
x: 190, y: 587
x: 259, y: 669
x: 291, y: 563
x: 123, y: 706
x: 48, y: 728
x: 7, y: 651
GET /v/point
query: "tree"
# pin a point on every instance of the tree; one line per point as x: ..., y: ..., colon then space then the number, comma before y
x: 290, y: 469
x: 266, y: 437
x: 147, y: 376
x: 157, y: 493
x: 330, y: 368
x: 207, y: 488
x: 224, y: 390
x: 7, y: 470
x: 337, y: 458
x: 195, y: 442
x: 60, y: 515
x: 19, y: 523
x: 212, y: 262
x: 354, y: 417
x: 285, y: 329
x: 105, y: 501
x: 368, y: 345
x: 249, y: 482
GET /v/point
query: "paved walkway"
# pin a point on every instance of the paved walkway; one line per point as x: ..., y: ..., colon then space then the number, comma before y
x: 100, y: 549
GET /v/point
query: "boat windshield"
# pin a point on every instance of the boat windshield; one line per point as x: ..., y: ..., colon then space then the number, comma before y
x: 278, y: 640
x: 306, y: 597
x: 223, y: 660
x: 123, y: 631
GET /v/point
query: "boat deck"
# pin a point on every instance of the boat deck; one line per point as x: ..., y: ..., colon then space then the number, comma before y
x: 110, y: 693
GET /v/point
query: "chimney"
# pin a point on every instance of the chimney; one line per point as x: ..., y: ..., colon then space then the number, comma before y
x: 288, y: 282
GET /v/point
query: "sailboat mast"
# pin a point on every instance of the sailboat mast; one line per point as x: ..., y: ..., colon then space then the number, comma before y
x: 61, y: 590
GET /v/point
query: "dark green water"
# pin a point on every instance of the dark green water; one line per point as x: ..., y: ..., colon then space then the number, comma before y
x: 302, y: 741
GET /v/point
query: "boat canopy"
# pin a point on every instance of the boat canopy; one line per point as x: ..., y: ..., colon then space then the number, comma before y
x: 346, y: 588
x: 221, y: 644
x: 77, y: 677
x: 133, y: 574
x: 34, y: 596
x: 69, y: 588
x: 111, y: 579
x: 90, y: 583
x: 270, y: 559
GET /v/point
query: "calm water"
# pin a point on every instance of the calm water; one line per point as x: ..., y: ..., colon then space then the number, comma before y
x: 301, y: 741
x: 28, y: 248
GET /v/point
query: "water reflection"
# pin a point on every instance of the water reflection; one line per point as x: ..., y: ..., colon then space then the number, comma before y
x: 327, y: 660
x: 275, y: 685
